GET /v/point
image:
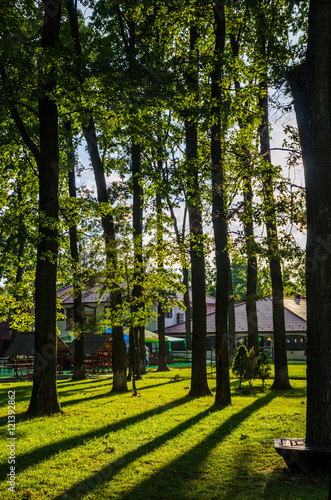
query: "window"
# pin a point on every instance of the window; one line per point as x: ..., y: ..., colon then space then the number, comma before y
x: 89, y: 315
x: 168, y: 314
x: 180, y: 318
x: 295, y: 343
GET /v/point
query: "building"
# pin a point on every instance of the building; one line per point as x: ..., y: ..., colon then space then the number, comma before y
x: 295, y: 326
x: 94, y: 304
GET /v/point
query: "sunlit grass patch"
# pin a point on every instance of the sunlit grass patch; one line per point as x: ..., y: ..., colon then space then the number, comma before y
x: 160, y: 444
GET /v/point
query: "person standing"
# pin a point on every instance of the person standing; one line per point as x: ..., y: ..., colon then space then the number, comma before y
x: 147, y: 353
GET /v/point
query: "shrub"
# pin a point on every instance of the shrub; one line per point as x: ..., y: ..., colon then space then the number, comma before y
x: 252, y: 366
x: 263, y: 368
x: 240, y: 363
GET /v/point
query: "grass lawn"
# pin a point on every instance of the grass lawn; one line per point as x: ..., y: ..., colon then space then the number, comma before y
x: 158, y: 445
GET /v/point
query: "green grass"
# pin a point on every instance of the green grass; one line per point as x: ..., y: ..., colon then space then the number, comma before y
x: 158, y: 445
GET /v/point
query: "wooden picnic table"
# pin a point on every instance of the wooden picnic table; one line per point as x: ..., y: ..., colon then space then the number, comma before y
x: 98, y: 363
x: 21, y: 366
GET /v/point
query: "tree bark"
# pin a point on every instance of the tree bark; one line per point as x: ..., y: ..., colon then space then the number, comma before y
x: 251, y: 312
x: 199, y: 385
x: 142, y: 362
x: 137, y: 214
x: 21, y: 250
x: 162, y: 358
x: 44, y: 398
x: 219, y: 217
x: 281, y: 380
x: 79, y: 370
x: 118, y: 358
x: 231, y: 323
x: 311, y: 88
x: 118, y: 361
x: 188, y: 335
x: 180, y: 238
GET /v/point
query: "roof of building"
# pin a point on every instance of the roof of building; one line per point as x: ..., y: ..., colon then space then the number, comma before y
x: 298, y: 305
x: 293, y: 321
x: 23, y: 345
x: 92, y: 295
x: 209, y: 298
x: 94, y: 343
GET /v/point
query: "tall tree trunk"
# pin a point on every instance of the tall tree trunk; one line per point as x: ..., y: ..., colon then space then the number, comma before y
x: 44, y: 398
x: 118, y: 359
x: 311, y: 88
x: 251, y: 312
x: 162, y: 359
x: 281, y: 380
x: 199, y: 385
x: 142, y: 357
x: 129, y: 41
x: 118, y: 362
x: 232, y: 323
x: 21, y: 250
x: 180, y: 238
x: 187, y: 304
x: 79, y: 370
x: 137, y: 214
x: 219, y: 216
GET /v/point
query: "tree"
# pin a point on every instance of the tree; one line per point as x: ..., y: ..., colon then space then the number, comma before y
x: 79, y: 370
x: 44, y: 398
x: 281, y: 380
x: 199, y: 385
x: 219, y: 215
x: 89, y: 130
x: 118, y: 362
x: 240, y: 363
x: 311, y: 87
x: 247, y: 216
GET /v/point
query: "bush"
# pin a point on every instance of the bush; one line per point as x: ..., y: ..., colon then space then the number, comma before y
x: 252, y: 366
x: 263, y: 368
x: 240, y: 364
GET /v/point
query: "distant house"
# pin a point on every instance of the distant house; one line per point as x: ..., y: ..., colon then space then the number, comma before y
x: 295, y: 325
x: 94, y: 304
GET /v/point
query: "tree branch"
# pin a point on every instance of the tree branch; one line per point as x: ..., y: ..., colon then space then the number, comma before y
x: 19, y: 122
x: 120, y: 20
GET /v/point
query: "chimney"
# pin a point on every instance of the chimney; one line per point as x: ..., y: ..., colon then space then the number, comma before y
x: 297, y: 298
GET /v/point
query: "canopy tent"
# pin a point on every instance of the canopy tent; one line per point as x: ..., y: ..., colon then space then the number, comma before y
x: 153, y: 337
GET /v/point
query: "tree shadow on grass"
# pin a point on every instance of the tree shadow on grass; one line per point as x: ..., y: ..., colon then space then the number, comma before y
x: 21, y: 416
x: 188, y: 463
x: 34, y: 457
x: 91, y: 384
x: 73, y: 385
x: 106, y: 394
